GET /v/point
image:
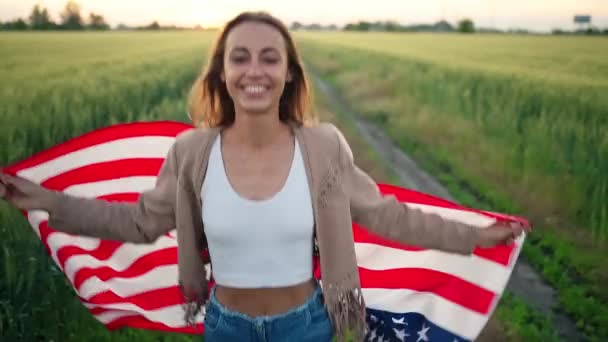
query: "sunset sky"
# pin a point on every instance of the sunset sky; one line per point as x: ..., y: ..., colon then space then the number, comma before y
x: 541, y: 15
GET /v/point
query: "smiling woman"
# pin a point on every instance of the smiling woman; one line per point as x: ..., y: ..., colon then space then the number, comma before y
x: 258, y: 65
x: 255, y: 67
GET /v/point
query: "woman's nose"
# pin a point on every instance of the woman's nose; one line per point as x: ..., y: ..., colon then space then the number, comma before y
x: 254, y: 69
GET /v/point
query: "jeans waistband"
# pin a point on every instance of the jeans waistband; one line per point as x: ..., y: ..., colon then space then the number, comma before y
x: 313, y: 301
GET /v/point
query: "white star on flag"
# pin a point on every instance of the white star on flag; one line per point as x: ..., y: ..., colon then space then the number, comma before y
x: 401, y: 335
x: 399, y: 321
x: 422, y: 334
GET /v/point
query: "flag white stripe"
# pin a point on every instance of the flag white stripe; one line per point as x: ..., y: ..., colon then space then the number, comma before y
x: 157, y: 278
x: 121, y: 259
x: 440, y: 311
x: 477, y: 270
x: 110, y: 316
x: 136, y: 184
x: 172, y: 316
x: 136, y: 147
x: 35, y: 217
x: 462, y: 216
x: 57, y: 240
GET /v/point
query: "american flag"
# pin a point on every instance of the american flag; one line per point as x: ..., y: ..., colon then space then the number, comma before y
x: 411, y: 294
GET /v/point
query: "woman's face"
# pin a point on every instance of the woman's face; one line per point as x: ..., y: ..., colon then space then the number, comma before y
x: 255, y: 67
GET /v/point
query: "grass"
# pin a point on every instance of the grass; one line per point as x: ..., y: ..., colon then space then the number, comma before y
x: 522, y: 322
x: 513, y: 319
x: 57, y: 86
x: 517, y: 143
x: 569, y: 61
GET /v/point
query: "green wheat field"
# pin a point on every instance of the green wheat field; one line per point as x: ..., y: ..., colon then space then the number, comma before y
x: 508, y: 123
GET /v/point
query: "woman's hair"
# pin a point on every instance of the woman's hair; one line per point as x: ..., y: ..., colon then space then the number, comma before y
x: 210, y: 103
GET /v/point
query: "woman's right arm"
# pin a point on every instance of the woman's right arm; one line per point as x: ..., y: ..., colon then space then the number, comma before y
x: 141, y: 222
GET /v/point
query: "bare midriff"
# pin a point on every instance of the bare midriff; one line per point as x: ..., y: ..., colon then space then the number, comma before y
x: 265, y: 301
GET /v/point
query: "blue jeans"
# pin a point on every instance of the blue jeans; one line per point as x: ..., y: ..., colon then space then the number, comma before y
x: 307, y: 322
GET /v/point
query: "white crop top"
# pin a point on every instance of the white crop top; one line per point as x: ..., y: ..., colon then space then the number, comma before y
x: 254, y: 244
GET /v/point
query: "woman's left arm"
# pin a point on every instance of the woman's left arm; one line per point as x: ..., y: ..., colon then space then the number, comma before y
x: 394, y: 220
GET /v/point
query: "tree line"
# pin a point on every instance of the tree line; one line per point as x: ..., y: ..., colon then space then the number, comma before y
x: 465, y: 25
x: 70, y: 18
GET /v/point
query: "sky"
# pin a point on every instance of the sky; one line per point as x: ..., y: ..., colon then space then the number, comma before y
x: 536, y: 15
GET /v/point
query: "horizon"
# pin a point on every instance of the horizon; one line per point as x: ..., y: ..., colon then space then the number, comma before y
x: 542, y: 15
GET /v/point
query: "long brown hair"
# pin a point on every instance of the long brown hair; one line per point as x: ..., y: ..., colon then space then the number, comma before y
x: 210, y: 104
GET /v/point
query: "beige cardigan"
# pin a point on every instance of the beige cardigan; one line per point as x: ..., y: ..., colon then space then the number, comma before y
x: 341, y: 194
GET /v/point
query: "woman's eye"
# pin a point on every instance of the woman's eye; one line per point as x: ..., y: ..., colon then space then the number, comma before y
x: 239, y: 59
x: 271, y: 60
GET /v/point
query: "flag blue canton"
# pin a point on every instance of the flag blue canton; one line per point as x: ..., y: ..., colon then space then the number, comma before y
x: 390, y: 326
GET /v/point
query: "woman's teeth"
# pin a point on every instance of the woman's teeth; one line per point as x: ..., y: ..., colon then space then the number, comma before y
x: 255, y: 89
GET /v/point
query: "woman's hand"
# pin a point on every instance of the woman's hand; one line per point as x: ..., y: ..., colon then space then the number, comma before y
x: 500, y: 233
x: 24, y: 194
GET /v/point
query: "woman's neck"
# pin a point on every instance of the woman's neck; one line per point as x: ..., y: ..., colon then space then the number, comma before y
x: 257, y: 130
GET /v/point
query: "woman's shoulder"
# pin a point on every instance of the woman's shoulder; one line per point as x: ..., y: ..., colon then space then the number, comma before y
x: 194, y: 139
x: 326, y: 137
x: 326, y: 132
x: 196, y: 135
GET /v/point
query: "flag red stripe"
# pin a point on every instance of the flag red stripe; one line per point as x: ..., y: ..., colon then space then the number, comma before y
x: 105, y: 250
x: 139, y: 267
x: 442, y: 284
x: 121, y: 197
x: 105, y: 171
x: 97, y: 310
x: 149, y: 300
x: 103, y: 135
x: 500, y: 254
x: 141, y: 322
x: 412, y: 196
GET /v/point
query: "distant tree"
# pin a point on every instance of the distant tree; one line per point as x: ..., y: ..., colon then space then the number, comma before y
x: 97, y: 22
x: 15, y: 25
x: 606, y: 30
x: 443, y: 26
x: 296, y: 25
x: 153, y: 26
x: 466, y: 26
x: 518, y: 31
x: 71, y: 19
x: 391, y: 26
x: 360, y: 26
x: 314, y: 27
x: 40, y: 20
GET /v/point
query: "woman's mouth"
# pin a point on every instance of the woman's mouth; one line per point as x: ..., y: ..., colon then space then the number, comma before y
x: 255, y: 90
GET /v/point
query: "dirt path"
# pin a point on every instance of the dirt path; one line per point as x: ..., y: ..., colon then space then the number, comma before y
x: 525, y: 282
